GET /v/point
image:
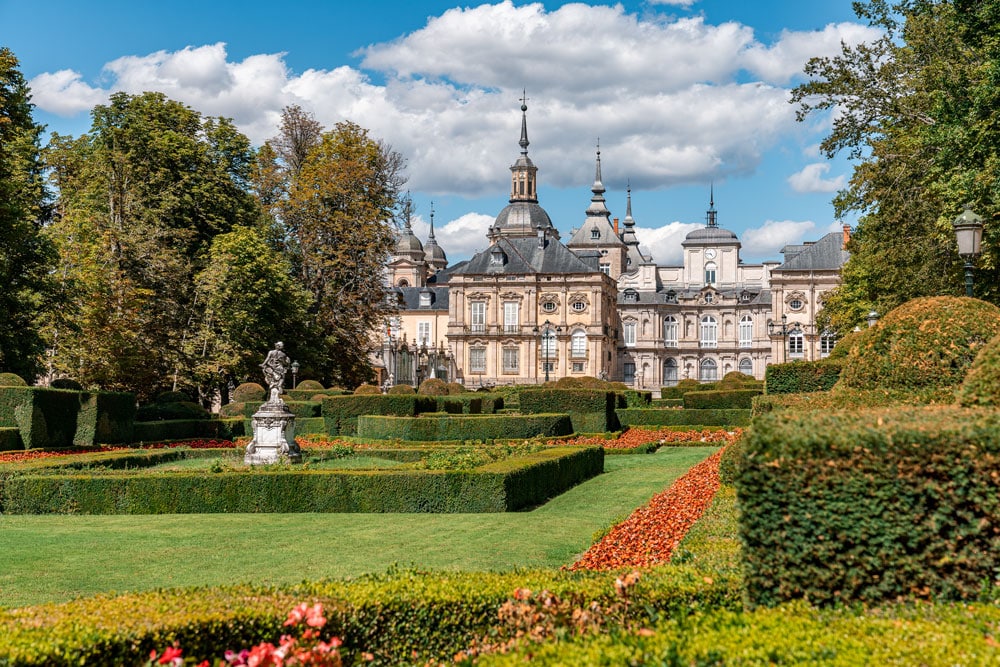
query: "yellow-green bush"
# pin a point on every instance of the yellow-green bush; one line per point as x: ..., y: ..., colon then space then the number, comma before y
x: 982, y: 383
x: 248, y: 392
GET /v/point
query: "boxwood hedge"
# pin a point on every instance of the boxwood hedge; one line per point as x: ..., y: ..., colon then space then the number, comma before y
x: 590, y: 410
x: 870, y: 505
x: 802, y: 376
x: 731, y: 399
x: 58, y: 418
x: 341, y: 412
x: 463, y: 427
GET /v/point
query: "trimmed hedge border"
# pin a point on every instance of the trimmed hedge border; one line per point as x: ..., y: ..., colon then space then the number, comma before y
x: 870, y: 505
x: 182, y: 429
x: 590, y: 410
x: 341, y: 412
x: 463, y: 427
x: 843, y: 398
x: 796, y: 377
x: 502, y: 486
x: 683, y: 417
x: 725, y: 399
x: 62, y: 418
x: 10, y: 439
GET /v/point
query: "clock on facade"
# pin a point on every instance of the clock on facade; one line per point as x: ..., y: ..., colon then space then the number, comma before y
x: 710, y: 253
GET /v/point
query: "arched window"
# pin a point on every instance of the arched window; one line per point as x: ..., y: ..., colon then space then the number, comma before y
x: 708, y: 370
x: 709, y: 332
x: 669, y: 373
x: 710, y: 270
x: 629, y: 330
x: 746, y: 331
x: 578, y: 344
x: 670, y: 331
x: 746, y: 366
x: 548, y: 343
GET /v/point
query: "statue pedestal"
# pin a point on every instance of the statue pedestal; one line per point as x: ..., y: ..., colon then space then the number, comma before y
x: 273, y: 436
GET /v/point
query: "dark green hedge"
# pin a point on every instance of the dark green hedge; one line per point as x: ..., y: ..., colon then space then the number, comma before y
x: 871, y: 505
x: 309, y: 425
x: 802, y: 376
x: 683, y: 417
x: 590, y: 410
x: 461, y: 404
x: 180, y: 429
x: 59, y: 418
x: 463, y: 427
x: 167, y: 410
x: 684, y: 386
x: 390, y: 615
x: 10, y: 438
x: 667, y: 403
x: 637, y: 399
x: 733, y: 399
x: 307, y: 394
x: 504, y: 486
x: 341, y: 412
x: 301, y: 409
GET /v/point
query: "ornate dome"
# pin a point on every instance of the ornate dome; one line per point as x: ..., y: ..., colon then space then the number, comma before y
x: 522, y: 218
x: 710, y: 235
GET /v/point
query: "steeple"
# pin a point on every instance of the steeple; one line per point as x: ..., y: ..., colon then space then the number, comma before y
x: 635, y: 255
x: 629, y: 220
x: 711, y: 214
x: 598, y: 207
x: 524, y: 123
x: 436, y: 258
x: 523, y: 185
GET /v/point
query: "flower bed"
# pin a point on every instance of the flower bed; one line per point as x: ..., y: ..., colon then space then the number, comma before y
x: 34, y: 455
x: 651, y: 533
x: 637, y: 437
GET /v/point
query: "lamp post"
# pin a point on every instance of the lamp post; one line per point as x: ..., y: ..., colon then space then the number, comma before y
x: 547, y: 337
x: 295, y: 374
x: 872, y: 318
x: 773, y: 329
x: 969, y: 234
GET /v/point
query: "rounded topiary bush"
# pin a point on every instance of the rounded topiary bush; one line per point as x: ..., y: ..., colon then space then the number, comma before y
x: 248, y: 392
x: 688, y: 384
x: 318, y: 398
x: 455, y: 388
x: 844, y: 345
x: 312, y: 385
x: 12, y: 380
x: 924, y: 343
x: 734, y: 379
x: 66, y: 383
x: 367, y: 389
x: 569, y: 383
x: 982, y: 383
x: 172, y: 397
x: 433, y: 387
x: 402, y: 389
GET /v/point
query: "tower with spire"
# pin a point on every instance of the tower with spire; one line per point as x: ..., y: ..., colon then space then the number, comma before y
x: 597, y: 233
x: 434, y: 253
x: 408, y: 267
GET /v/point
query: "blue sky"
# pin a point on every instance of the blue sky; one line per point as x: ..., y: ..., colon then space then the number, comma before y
x: 680, y: 93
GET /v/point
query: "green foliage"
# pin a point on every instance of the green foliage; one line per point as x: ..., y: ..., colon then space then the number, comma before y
x: 685, y: 417
x: 981, y: 386
x: 467, y: 404
x: 12, y: 380
x: 733, y: 379
x: 870, y: 505
x: 433, y: 387
x: 182, y: 429
x: 927, y: 342
x: 57, y: 418
x: 401, y: 389
x: 66, y: 383
x: 172, y: 397
x: 637, y: 399
x: 10, y: 438
x: 171, y: 410
x: 738, y: 399
x: 455, y: 388
x: 591, y: 410
x: 391, y: 615
x: 802, y: 376
x: 309, y: 385
x: 505, y: 485
x: 667, y: 403
x: 27, y: 258
x: 368, y: 389
x: 248, y: 392
x: 731, y: 461
x: 842, y: 398
x: 341, y: 412
x: 684, y: 386
x: 462, y: 427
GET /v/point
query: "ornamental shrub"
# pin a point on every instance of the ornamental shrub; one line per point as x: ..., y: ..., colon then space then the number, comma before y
x: 12, y: 380
x: 367, y: 390
x: 797, y: 377
x: 739, y: 399
x: 844, y: 345
x: 456, y: 388
x: 311, y: 385
x: 173, y: 410
x: 433, y: 387
x: 982, y: 383
x: 733, y: 379
x: 66, y: 383
x: 173, y: 397
x: 926, y: 342
x: 401, y: 389
x: 248, y: 392
x: 591, y: 410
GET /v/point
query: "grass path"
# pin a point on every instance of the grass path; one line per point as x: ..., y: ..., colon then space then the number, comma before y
x: 55, y: 558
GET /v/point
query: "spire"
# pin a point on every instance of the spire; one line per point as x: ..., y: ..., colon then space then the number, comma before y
x: 524, y: 123
x: 430, y: 237
x: 711, y: 213
x: 629, y: 221
x: 598, y: 208
x: 597, y: 175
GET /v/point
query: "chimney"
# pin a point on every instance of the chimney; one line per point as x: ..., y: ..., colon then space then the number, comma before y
x: 847, y: 235
x: 616, y: 226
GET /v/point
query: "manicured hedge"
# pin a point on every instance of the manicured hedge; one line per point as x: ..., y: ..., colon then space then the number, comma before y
x: 504, y: 486
x: 58, y: 418
x: 433, y: 615
x: 684, y: 417
x: 301, y: 409
x: 871, y: 505
x: 180, y: 429
x: 168, y: 410
x: 684, y: 386
x: 307, y: 425
x: 842, y: 398
x: 637, y: 399
x: 981, y: 386
x: 307, y: 394
x: 341, y: 412
x: 591, y: 410
x: 10, y: 438
x: 463, y: 427
x: 802, y: 376
x: 667, y: 403
x: 733, y: 399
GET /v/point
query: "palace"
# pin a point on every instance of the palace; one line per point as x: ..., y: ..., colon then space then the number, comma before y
x: 531, y: 308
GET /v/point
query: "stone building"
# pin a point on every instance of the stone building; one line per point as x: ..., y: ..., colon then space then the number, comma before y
x: 530, y: 308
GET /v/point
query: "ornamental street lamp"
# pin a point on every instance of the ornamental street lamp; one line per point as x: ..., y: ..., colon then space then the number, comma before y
x: 295, y: 374
x: 872, y: 318
x: 547, y: 342
x: 969, y: 234
x: 782, y: 330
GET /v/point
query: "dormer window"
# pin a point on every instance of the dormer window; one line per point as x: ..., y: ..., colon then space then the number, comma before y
x: 595, y: 233
x: 709, y: 297
x: 497, y: 257
x: 631, y: 296
x: 670, y: 297
x: 425, y: 299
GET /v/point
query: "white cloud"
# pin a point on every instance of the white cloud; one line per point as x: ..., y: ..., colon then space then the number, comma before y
x: 664, y: 243
x: 679, y: 3
x: 461, y: 238
x: 773, y: 235
x: 781, y: 61
x: 64, y: 93
x: 810, y: 179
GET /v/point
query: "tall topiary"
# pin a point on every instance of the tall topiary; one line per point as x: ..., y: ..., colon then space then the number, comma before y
x: 924, y: 343
x: 982, y: 382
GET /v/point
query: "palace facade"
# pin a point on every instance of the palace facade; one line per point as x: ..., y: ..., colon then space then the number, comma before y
x: 531, y: 308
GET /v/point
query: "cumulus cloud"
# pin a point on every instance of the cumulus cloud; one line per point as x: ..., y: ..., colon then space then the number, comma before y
x: 461, y: 238
x: 810, y: 179
x: 679, y: 3
x: 664, y: 243
x: 768, y: 239
x: 668, y: 97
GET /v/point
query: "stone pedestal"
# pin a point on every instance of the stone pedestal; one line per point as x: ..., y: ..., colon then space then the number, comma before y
x: 273, y: 436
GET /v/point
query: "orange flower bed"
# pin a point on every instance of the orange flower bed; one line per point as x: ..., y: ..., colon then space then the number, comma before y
x: 635, y: 437
x: 33, y: 455
x: 651, y: 533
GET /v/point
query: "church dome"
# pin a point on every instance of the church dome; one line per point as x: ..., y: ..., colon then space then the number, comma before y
x: 710, y: 235
x: 408, y: 244
x: 521, y: 217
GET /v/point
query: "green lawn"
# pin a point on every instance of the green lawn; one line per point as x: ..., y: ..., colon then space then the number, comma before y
x: 55, y: 558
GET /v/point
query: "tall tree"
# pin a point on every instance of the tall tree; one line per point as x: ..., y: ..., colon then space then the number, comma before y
x: 918, y: 110
x: 26, y: 255
x: 142, y: 196
x: 336, y: 208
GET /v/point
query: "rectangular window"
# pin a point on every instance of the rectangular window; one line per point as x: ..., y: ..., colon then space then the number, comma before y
x: 478, y: 318
x: 796, y: 345
x: 510, y: 317
x: 670, y: 332
x: 826, y: 344
x: 577, y: 366
x: 629, y: 330
x: 629, y: 372
x: 423, y: 333
x: 549, y: 367
x: 606, y: 269
x: 746, y: 333
x: 579, y: 344
x: 477, y: 359
x: 511, y: 360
